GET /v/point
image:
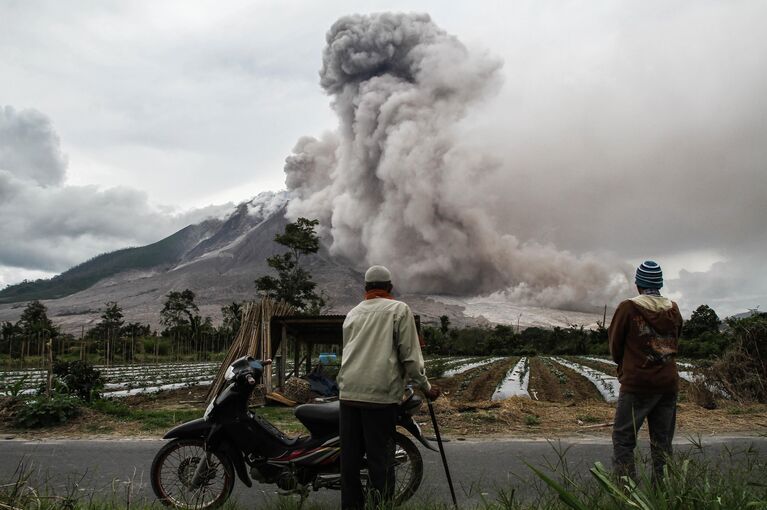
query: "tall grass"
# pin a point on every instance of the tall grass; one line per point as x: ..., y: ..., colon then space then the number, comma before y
x: 735, y: 479
x: 694, y: 480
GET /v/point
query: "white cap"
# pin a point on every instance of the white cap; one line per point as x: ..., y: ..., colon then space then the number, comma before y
x: 377, y: 274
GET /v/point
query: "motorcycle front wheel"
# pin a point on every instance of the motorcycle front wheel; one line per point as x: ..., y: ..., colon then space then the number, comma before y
x: 173, y: 470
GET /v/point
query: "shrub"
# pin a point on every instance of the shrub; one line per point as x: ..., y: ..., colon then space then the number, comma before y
x: 532, y: 420
x: 78, y: 378
x: 46, y: 411
x: 742, y: 370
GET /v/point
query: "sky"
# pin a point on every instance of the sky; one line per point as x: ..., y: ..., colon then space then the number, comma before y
x: 634, y: 129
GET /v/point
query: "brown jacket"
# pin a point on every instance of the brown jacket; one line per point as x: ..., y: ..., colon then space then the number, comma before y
x: 644, y: 339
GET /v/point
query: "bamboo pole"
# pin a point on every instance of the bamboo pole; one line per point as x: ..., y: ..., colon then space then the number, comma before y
x: 49, y: 383
x: 252, y: 339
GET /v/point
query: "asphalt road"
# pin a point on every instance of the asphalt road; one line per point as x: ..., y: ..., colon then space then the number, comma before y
x: 481, y: 469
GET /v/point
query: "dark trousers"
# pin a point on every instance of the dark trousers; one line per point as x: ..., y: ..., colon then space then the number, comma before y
x: 367, y: 431
x: 632, y: 410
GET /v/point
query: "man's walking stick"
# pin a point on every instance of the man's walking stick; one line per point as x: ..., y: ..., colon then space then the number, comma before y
x: 442, y: 451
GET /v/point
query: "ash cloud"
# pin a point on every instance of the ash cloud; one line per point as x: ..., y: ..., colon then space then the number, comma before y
x: 48, y: 226
x: 395, y: 185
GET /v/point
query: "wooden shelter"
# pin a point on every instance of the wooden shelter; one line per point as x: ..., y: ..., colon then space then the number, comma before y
x: 272, y: 330
x: 303, y: 333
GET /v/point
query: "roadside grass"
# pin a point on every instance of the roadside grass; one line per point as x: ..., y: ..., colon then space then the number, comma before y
x: 159, y: 420
x: 148, y: 419
x: 743, y: 409
x: 531, y: 420
x: 588, y: 418
x: 693, y: 480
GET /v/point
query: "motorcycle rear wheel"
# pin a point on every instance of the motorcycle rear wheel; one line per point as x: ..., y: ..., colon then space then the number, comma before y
x: 408, y: 470
x: 173, y: 469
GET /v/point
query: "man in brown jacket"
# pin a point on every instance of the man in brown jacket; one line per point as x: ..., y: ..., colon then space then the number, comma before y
x: 644, y: 336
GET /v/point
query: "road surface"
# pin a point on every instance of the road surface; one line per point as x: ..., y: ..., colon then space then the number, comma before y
x: 481, y: 469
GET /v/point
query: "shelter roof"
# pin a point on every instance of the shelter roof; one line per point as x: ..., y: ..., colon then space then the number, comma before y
x: 314, y: 329
x: 324, y: 329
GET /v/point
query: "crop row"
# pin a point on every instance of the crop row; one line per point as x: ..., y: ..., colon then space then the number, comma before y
x: 123, y: 381
x: 515, y: 383
x: 607, y: 385
x: 516, y: 380
x: 465, y: 367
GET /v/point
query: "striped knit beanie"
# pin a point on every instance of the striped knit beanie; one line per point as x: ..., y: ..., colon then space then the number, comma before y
x: 649, y: 275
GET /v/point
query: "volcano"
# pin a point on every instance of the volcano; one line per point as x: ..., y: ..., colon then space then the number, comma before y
x: 219, y: 259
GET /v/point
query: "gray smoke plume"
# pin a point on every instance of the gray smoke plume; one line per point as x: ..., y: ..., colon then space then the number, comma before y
x: 394, y: 185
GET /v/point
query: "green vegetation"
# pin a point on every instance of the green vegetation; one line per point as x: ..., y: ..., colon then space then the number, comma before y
x: 293, y: 283
x: 70, y: 385
x: 589, y: 418
x: 43, y: 411
x: 187, y: 336
x: 148, y: 419
x: 77, y: 378
x: 741, y: 371
x: 531, y: 420
x: 503, y: 340
x: 703, y: 320
x: 691, y: 481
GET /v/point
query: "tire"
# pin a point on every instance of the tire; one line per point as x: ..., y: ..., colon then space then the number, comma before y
x: 172, y: 470
x: 408, y: 471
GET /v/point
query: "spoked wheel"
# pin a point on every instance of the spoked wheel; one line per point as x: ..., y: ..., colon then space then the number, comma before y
x: 173, y: 471
x: 408, y: 469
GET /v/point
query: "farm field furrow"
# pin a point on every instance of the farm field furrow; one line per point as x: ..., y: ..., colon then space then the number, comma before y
x: 155, y: 389
x: 465, y: 367
x: 607, y: 385
x: 609, y: 367
x: 554, y: 383
x: 125, y: 380
x: 477, y: 383
x: 515, y: 383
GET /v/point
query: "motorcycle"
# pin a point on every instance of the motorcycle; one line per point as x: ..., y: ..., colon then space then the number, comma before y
x: 197, y: 468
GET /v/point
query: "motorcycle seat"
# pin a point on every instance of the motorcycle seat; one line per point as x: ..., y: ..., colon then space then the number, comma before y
x: 319, y: 413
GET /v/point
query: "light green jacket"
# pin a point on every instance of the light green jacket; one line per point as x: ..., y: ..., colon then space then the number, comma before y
x: 381, y: 353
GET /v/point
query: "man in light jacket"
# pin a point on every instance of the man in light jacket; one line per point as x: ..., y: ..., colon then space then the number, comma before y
x: 381, y: 354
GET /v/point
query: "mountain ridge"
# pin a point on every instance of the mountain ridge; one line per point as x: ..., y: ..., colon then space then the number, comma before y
x: 218, y: 259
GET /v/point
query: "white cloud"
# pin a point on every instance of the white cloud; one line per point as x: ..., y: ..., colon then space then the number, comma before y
x: 48, y: 226
x: 729, y: 287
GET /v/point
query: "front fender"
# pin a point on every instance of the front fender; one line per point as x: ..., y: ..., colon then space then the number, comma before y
x: 235, y: 455
x: 190, y: 430
x: 200, y: 428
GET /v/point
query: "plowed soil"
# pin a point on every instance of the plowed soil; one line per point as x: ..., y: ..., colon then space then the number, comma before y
x: 478, y: 383
x: 545, y: 386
